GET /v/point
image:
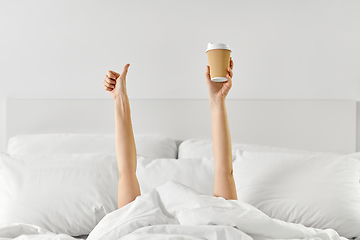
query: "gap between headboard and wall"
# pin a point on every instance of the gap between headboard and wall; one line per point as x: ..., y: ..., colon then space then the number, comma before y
x: 313, y: 125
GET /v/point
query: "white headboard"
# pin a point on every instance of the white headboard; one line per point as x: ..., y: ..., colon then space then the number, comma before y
x: 306, y: 125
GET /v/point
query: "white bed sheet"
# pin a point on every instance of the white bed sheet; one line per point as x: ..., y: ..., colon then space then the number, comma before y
x: 174, y: 211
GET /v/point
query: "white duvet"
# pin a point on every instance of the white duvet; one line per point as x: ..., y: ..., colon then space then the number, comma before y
x: 174, y: 211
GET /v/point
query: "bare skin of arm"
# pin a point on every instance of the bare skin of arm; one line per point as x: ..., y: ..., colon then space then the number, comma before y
x: 224, y: 185
x: 128, y: 186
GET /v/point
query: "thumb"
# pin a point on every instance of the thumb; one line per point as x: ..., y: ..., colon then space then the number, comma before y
x: 124, y: 73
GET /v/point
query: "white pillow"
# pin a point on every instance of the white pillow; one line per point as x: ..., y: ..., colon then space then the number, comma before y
x: 317, y: 190
x: 197, y: 148
x: 62, y: 193
x: 148, y: 145
x: 71, y: 193
x: 197, y: 173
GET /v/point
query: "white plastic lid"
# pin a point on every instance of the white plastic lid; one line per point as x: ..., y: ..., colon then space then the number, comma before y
x: 212, y: 46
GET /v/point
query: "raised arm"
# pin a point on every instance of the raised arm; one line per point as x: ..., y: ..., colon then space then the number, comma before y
x: 128, y: 187
x: 224, y: 185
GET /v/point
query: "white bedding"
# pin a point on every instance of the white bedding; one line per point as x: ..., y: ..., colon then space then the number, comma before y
x: 174, y: 211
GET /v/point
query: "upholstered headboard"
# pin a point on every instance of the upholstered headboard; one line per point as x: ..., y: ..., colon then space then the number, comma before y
x: 300, y: 124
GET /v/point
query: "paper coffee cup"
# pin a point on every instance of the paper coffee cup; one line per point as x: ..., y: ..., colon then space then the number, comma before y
x: 218, y: 55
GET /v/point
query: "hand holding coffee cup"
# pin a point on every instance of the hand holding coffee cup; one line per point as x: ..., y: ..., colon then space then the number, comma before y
x: 219, y: 90
x: 218, y: 55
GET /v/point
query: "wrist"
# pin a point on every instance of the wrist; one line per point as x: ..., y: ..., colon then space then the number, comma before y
x: 216, y: 102
x: 121, y: 100
x: 217, y: 106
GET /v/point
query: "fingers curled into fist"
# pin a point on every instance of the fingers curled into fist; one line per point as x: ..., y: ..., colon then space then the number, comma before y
x: 110, y: 80
x: 109, y: 83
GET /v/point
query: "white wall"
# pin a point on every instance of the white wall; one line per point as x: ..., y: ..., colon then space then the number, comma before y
x: 282, y: 49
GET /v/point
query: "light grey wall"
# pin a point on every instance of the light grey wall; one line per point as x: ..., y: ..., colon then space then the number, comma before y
x: 300, y: 49
x: 358, y: 127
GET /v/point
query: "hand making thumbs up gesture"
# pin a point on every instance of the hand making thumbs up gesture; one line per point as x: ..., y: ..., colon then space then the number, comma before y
x: 115, y: 83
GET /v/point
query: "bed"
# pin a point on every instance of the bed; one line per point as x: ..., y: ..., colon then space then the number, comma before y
x: 296, y: 170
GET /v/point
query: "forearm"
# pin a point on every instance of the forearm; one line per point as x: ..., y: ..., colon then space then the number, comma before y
x: 224, y: 181
x: 221, y: 136
x: 124, y: 136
